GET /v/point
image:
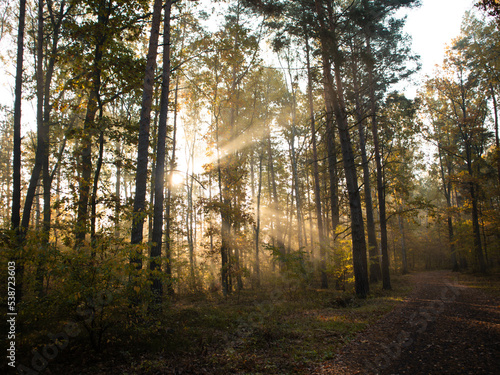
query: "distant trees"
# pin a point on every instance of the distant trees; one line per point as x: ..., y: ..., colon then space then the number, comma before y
x: 457, y: 104
x: 298, y: 162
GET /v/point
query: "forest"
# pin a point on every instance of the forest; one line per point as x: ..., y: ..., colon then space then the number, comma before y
x: 169, y: 166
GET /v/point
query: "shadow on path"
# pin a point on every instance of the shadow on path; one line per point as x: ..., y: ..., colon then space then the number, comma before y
x: 443, y: 328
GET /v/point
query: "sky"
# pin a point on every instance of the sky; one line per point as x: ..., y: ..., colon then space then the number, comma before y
x: 432, y: 26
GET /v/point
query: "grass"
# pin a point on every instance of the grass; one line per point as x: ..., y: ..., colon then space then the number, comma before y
x: 265, y: 332
x: 488, y: 283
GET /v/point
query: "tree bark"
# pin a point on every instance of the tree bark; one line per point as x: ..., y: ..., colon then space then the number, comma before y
x: 447, y: 194
x: 168, y: 219
x: 16, y: 161
x: 317, y: 190
x: 16, y: 164
x: 143, y: 142
x: 339, y: 108
x: 155, y: 263
x: 85, y: 164
x: 497, y: 137
x: 95, y: 186
x: 386, y: 278
x: 404, y: 260
x: 257, y: 222
x: 278, y: 230
x: 374, y: 265
x: 118, y: 176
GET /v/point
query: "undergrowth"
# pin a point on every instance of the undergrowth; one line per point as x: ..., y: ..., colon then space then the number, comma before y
x: 270, y: 331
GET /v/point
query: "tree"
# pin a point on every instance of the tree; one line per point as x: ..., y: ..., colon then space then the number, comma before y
x: 155, y: 265
x: 402, y: 157
x: 329, y: 38
x: 384, y: 65
x: 466, y: 108
x: 230, y: 62
x: 479, y: 42
x: 357, y: 77
x: 490, y: 6
x: 316, y: 182
x: 446, y: 140
x: 143, y: 142
x: 16, y: 166
x: 102, y: 52
x: 16, y: 161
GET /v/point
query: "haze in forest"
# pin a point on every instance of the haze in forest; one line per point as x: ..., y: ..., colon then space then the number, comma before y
x: 185, y: 180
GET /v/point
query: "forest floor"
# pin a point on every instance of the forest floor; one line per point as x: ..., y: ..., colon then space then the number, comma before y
x: 450, y: 324
x: 435, y: 322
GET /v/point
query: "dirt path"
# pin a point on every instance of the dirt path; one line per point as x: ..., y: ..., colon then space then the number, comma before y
x: 443, y: 328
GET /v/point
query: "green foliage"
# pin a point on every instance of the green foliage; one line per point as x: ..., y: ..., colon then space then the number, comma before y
x: 294, y: 264
x: 88, y: 288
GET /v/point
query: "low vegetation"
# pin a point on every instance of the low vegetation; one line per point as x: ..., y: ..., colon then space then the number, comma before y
x: 273, y: 330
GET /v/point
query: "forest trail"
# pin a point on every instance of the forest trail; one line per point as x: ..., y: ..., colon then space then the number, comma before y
x: 443, y: 328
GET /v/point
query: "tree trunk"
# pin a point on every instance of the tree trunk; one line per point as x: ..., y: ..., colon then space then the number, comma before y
x: 93, y: 203
x: 257, y: 222
x: 404, y: 260
x: 293, y: 157
x: 478, y: 251
x: 317, y: 191
x: 447, y: 194
x: 168, y: 219
x: 118, y: 176
x: 331, y: 144
x: 143, y: 142
x: 155, y: 262
x: 374, y: 264
x: 16, y: 164
x: 278, y: 229
x: 339, y: 107
x: 497, y: 137
x: 85, y: 151
x: 386, y: 277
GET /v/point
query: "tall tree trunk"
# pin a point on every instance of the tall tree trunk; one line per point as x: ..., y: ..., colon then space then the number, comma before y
x: 386, y: 277
x: 339, y: 107
x: 404, y: 260
x: 225, y: 220
x: 278, y: 225
x: 47, y: 109
x: 16, y: 164
x: 41, y: 153
x: 497, y: 137
x: 374, y: 265
x: 447, y: 193
x: 154, y: 144
x: 143, y: 142
x: 310, y: 214
x: 317, y: 191
x: 375, y: 272
x: 331, y: 144
x: 41, y: 137
x: 155, y: 263
x: 293, y: 157
x: 296, y: 187
x: 189, y: 216
x: 95, y: 186
x: 257, y: 222
x: 85, y: 151
x: 118, y: 176
x: 478, y: 251
x: 168, y: 208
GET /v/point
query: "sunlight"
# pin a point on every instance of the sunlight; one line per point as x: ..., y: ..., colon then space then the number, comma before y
x: 177, y: 178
